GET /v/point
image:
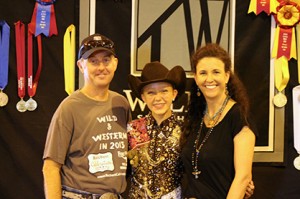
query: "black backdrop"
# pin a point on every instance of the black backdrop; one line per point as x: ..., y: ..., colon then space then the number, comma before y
x: 22, y: 135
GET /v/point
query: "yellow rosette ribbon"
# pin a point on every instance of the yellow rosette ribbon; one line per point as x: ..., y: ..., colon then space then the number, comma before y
x: 267, y: 6
x: 287, y: 17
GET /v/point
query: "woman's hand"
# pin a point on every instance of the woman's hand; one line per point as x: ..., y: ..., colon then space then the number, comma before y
x: 249, y: 190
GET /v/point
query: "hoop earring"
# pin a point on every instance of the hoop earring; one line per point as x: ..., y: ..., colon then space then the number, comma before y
x: 198, y: 92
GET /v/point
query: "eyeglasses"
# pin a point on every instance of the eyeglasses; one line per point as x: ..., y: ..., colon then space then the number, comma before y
x: 102, y: 43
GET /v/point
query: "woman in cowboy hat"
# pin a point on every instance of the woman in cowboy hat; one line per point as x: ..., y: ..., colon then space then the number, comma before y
x: 154, y: 139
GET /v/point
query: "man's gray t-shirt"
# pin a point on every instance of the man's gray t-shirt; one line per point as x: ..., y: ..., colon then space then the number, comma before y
x: 89, y: 139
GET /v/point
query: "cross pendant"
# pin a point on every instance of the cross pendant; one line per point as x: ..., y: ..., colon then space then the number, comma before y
x: 196, y: 173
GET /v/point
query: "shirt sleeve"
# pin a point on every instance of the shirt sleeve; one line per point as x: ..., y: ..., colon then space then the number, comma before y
x: 59, y: 135
x: 238, y: 121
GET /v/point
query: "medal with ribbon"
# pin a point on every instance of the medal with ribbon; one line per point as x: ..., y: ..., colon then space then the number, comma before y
x: 287, y: 17
x: 4, y: 60
x: 30, y: 104
x: 20, y: 54
x: 69, y: 59
x: 282, y: 77
x: 43, y: 19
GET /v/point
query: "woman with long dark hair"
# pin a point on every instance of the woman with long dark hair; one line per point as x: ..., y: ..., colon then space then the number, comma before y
x: 218, y: 139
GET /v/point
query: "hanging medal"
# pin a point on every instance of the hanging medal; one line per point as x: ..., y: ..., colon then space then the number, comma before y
x: 3, y: 98
x: 20, y: 54
x: 31, y: 104
x: 282, y: 77
x: 4, y: 59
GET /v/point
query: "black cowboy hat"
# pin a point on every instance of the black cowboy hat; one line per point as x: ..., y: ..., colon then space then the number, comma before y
x: 156, y: 72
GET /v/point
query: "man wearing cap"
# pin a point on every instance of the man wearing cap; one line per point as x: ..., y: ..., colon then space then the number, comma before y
x: 86, y: 148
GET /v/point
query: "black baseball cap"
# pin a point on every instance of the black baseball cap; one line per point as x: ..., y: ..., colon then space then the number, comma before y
x: 95, y: 43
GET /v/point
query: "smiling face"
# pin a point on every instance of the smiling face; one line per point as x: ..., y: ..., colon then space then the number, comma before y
x: 98, y: 70
x: 159, y: 96
x: 211, y: 78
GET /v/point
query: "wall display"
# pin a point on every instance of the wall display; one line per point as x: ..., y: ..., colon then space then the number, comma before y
x: 286, y: 15
x: 286, y: 32
x: 23, y: 134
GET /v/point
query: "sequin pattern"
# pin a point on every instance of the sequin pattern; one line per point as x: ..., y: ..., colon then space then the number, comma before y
x: 156, y: 166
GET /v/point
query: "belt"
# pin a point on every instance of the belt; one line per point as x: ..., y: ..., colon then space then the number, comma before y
x: 74, y: 195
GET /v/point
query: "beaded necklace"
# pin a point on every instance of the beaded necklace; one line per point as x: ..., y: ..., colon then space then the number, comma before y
x: 197, y: 146
x: 211, y: 120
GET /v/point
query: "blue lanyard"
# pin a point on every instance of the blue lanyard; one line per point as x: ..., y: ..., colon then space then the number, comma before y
x: 4, y: 53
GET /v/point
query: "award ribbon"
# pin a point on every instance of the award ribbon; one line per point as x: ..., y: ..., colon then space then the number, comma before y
x: 4, y: 60
x: 267, y: 6
x: 31, y: 104
x: 20, y: 54
x: 296, y: 121
x: 69, y: 59
x: 43, y: 18
x: 287, y: 16
x: 285, y: 43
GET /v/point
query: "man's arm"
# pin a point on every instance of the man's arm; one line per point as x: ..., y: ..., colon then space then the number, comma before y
x: 52, y: 181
